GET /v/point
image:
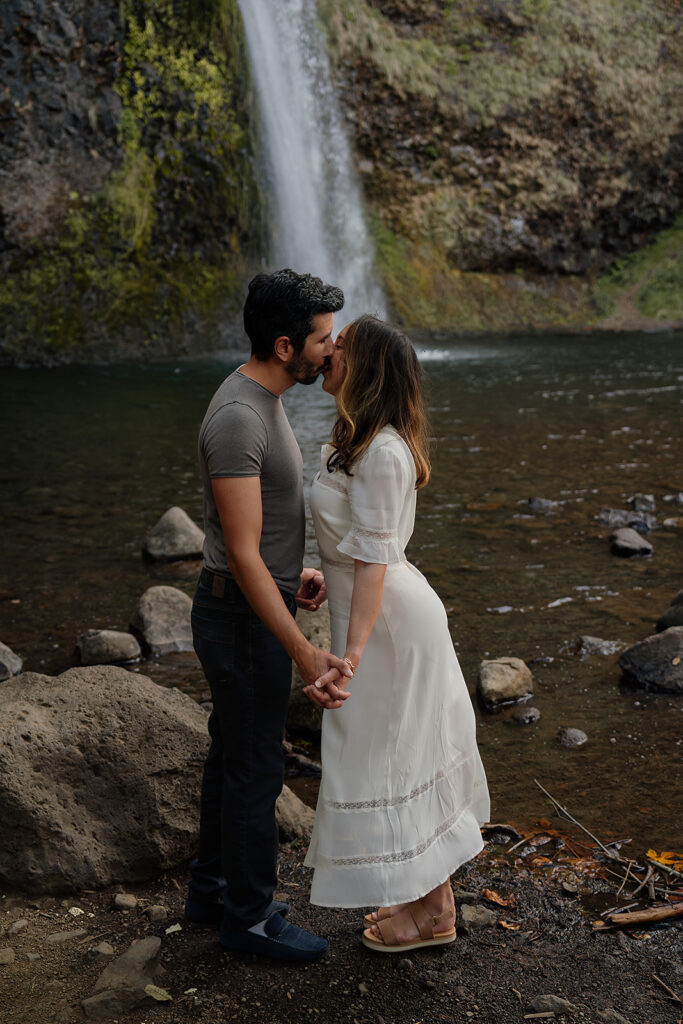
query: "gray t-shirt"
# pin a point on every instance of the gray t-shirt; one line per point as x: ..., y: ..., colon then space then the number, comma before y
x: 246, y: 433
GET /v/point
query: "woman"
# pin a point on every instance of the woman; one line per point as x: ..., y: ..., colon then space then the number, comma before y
x: 403, y: 791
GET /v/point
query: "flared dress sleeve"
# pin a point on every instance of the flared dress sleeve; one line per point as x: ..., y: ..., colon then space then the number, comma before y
x: 381, y: 484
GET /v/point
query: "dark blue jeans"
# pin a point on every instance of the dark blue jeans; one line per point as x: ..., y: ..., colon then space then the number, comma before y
x: 250, y: 676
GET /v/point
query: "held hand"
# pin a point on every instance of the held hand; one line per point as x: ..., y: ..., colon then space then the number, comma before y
x: 323, y: 699
x: 312, y: 593
x: 317, y: 666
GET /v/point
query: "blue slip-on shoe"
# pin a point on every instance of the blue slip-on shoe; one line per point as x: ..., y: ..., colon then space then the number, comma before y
x: 282, y: 941
x: 199, y: 912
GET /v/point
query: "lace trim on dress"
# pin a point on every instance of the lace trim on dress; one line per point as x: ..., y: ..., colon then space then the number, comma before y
x: 393, y: 801
x: 396, y: 857
x: 365, y: 534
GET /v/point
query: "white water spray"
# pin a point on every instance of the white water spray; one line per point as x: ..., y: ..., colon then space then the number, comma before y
x: 314, y: 192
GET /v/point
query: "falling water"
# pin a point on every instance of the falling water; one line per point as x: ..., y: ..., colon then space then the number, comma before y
x: 315, y: 196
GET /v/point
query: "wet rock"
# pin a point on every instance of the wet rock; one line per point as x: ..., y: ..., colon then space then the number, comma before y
x: 552, y: 1004
x: 157, y: 913
x: 673, y: 616
x: 6, y: 956
x: 543, y: 505
x: 477, y: 917
x: 628, y: 544
x: 162, y: 619
x: 593, y: 645
x: 59, y: 938
x: 107, y: 647
x: 125, y: 901
x: 571, y: 738
x: 108, y: 761
x: 643, y: 522
x: 503, y: 680
x: 642, y: 502
x: 500, y: 833
x: 610, y: 1015
x: 304, y: 718
x: 10, y: 663
x: 657, y: 661
x: 525, y: 716
x: 174, y: 537
x: 295, y: 820
x: 121, y: 985
x: 17, y: 926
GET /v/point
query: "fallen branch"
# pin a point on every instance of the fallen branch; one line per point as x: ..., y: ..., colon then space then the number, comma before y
x: 570, y: 817
x: 648, y: 916
x: 665, y: 867
x: 648, y: 876
x: 628, y: 872
x: 669, y: 990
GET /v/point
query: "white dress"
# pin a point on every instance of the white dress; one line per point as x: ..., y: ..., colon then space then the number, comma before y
x: 403, y: 789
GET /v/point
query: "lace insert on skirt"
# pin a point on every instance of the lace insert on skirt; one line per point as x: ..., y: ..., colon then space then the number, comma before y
x: 397, y: 856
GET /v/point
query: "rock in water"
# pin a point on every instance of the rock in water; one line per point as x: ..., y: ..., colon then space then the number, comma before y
x: 656, y: 662
x: 10, y: 663
x: 162, y: 619
x: 107, y: 647
x: 571, y: 738
x: 526, y: 716
x: 100, y: 773
x: 174, y: 537
x: 590, y: 645
x: 503, y: 680
x: 629, y: 544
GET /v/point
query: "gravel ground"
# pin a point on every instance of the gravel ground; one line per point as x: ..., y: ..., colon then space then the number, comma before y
x: 490, y: 974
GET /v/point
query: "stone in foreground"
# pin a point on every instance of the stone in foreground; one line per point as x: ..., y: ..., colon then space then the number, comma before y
x: 10, y: 663
x: 174, y: 537
x: 628, y: 544
x: 107, y: 647
x: 100, y: 774
x: 122, y: 985
x: 503, y: 680
x: 657, y: 661
x: 552, y: 1004
x: 162, y: 619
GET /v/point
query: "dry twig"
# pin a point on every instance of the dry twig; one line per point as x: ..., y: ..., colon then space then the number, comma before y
x: 669, y: 990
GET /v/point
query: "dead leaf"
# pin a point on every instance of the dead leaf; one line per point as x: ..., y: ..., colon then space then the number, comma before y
x: 160, y: 994
x: 495, y: 897
x: 509, y: 927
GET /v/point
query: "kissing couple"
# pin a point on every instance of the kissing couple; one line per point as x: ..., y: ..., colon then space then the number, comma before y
x: 403, y: 791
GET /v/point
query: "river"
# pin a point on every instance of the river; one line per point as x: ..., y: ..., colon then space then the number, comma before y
x: 93, y: 456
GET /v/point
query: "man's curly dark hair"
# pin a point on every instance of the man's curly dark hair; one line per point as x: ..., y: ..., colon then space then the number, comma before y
x: 283, y: 304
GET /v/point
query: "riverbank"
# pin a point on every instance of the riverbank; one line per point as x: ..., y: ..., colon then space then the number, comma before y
x: 542, y: 943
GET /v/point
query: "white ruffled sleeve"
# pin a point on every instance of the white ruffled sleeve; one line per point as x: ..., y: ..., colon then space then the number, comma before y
x: 378, y: 490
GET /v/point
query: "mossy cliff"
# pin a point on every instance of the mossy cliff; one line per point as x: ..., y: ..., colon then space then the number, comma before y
x: 128, y: 202
x: 512, y: 150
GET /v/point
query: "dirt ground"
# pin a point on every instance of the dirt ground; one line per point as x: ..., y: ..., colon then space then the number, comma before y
x: 490, y: 974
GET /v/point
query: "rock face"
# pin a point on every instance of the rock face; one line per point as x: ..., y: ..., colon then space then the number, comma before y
x: 10, y: 663
x: 656, y: 662
x: 99, y: 778
x: 174, y: 537
x: 162, y: 619
x: 503, y: 680
x: 107, y: 647
x: 626, y: 543
x: 304, y: 717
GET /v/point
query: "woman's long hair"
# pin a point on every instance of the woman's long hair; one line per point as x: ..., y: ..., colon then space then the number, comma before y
x: 383, y: 385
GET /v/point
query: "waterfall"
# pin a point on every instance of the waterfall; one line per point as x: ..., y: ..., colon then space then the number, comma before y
x: 313, y: 193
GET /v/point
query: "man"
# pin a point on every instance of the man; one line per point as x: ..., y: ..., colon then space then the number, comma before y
x: 243, y: 613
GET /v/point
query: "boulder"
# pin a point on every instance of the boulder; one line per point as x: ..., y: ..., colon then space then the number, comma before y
x: 107, y: 647
x: 628, y: 544
x: 503, y: 680
x: 162, y: 619
x: 174, y: 537
x: 295, y: 820
x: 304, y: 718
x: 656, y: 662
x: 100, y: 774
x: 123, y: 984
x: 10, y: 663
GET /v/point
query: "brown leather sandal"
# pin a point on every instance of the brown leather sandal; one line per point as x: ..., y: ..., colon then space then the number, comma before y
x: 382, y: 914
x: 424, y: 922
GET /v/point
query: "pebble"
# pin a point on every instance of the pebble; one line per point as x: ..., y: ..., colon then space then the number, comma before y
x: 477, y: 917
x: 125, y: 901
x: 7, y: 955
x: 18, y: 926
x: 590, y: 645
x: 526, y: 716
x: 31, y: 957
x: 157, y: 913
x: 405, y: 963
x: 549, y: 1003
x: 363, y: 989
x: 571, y: 738
x: 629, y: 544
x: 101, y: 949
x: 57, y: 938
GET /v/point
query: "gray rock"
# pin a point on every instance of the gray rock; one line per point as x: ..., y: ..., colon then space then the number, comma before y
x: 525, y: 716
x: 405, y: 963
x: 304, y: 718
x: 125, y: 901
x: 157, y: 913
x: 543, y: 505
x: 643, y: 522
x: 462, y: 896
x: 175, y: 536
x: 571, y: 738
x: 656, y: 662
x: 32, y: 957
x: 107, y: 647
x: 628, y: 544
x: 6, y: 956
x: 477, y: 917
x: 10, y: 663
x: 102, y: 949
x: 295, y: 820
x: 593, y: 645
x: 552, y: 1004
x: 162, y: 619
x: 673, y: 616
x: 17, y: 926
x: 503, y: 680
x: 59, y: 938
x: 610, y: 1015
x: 642, y: 502
x: 100, y: 772
x: 121, y: 985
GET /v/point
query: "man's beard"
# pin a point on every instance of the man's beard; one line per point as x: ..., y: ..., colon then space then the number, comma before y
x: 303, y: 370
